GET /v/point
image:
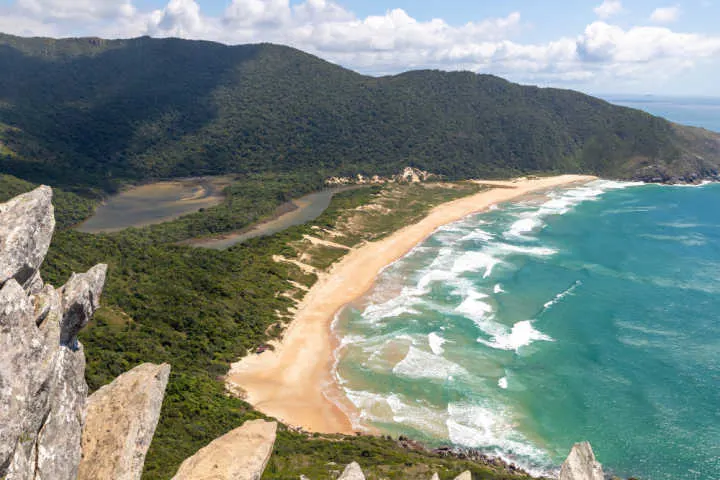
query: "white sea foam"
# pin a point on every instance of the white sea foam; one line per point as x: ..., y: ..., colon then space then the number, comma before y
x: 562, y: 295
x: 478, y: 234
x: 475, y: 262
x: 420, y: 364
x: 490, y: 428
x: 436, y: 343
x: 498, y: 289
x: 525, y: 225
x: 507, y: 248
x: 503, y: 383
x: 522, y: 334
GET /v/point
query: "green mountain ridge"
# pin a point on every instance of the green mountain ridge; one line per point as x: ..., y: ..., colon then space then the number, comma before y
x: 98, y: 113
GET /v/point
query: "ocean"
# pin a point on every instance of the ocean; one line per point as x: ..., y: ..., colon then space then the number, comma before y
x: 584, y: 313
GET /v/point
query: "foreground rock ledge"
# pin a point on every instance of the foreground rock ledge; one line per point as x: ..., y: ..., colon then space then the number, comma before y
x: 241, y: 454
x: 43, y: 394
x: 120, y: 423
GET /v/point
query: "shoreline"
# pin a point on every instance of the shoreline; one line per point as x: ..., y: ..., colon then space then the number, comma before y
x: 293, y: 383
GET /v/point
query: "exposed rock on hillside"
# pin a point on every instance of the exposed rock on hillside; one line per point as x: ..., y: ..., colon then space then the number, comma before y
x: 581, y: 464
x: 42, y: 365
x: 352, y: 472
x: 121, y: 421
x: 241, y: 454
x: 464, y: 476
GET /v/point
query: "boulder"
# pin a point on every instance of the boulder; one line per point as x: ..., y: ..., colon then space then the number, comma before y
x: 352, y: 472
x: 120, y: 423
x: 581, y: 464
x: 241, y: 454
x: 26, y: 227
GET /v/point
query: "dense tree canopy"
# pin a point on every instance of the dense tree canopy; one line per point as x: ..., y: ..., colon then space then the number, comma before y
x: 95, y: 112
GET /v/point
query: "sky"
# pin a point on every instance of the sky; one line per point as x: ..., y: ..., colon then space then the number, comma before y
x: 661, y: 47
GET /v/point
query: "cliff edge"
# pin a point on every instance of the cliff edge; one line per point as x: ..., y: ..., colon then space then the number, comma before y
x: 42, y: 363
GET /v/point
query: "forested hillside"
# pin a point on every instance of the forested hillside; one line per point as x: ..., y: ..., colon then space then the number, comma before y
x: 92, y: 112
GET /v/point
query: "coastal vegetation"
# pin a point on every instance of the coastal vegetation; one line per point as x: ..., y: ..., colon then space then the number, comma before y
x: 90, y: 116
x: 201, y: 309
x: 93, y: 114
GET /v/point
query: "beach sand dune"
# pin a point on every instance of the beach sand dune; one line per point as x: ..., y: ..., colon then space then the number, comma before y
x: 294, y: 383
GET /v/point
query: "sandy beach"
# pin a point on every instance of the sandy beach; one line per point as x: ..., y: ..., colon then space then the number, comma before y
x: 292, y: 382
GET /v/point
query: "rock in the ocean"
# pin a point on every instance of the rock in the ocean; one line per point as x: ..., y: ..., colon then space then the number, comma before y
x: 26, y: 227
x: 581, y: 464
x: 120, y: 423
x: 352, y: 472
x: 241, y: 454
x: 464, y: 476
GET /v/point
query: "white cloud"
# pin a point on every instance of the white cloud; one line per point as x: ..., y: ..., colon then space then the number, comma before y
x: 77, y: 9
x: 665, y: 14
x: 390, y: 42
x: 609, y: 8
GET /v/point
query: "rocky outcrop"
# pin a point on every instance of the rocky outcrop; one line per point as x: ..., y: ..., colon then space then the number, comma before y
x: 581, y: 464
x: 464, y: 476
x: 26, y: 227
x: 42, y: 365
x: 241, y: 454
x: 352, y: 472
x: 43, y: 393
x: 120, y: 423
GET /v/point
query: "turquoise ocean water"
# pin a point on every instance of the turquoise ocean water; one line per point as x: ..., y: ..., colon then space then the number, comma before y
x: 587, y: 313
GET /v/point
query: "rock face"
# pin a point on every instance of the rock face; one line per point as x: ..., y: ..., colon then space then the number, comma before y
x: 581, y: 464
x: 43, y: 393
x: 42, y: 365
x: 352, y: 472
x: 464, y: 476
x: 120, y: 423
x: 241, y: 454
x: 26, y: 227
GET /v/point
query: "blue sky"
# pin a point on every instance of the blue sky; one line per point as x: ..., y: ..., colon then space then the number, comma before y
x: 598, y: 46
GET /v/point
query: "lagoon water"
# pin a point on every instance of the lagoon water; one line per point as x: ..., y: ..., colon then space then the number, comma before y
x: 590, y: 313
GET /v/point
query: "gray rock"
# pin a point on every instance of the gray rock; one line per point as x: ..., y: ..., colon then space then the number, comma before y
x: 42, y: 381
x: 120, y: 423
x: 581, y: 464
x: 352, y: 472
x: 58, y: 441
x: 26, y: 227
x: 27, y: 365
x: 80, y: 298
x: 241, y: 454
x: 435, y: 477
x: 464, y: 476
x: 43, y: 393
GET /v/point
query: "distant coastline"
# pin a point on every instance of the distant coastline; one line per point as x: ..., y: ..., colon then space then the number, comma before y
x: 294, y: 382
